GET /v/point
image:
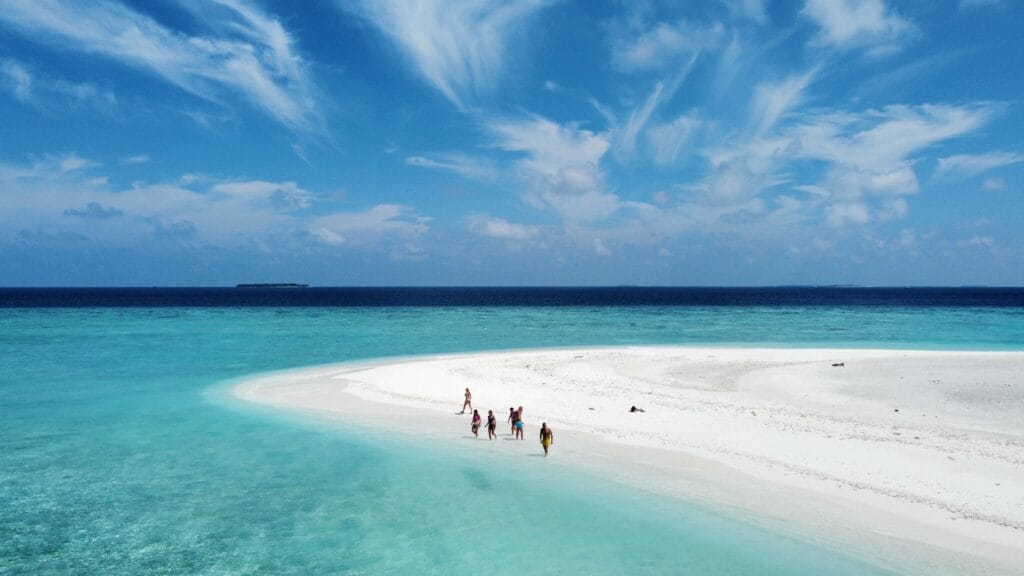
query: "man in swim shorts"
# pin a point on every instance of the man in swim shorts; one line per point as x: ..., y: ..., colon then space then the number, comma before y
x: 547, y: 437
x: 519, y: 423
x: 512, y: 417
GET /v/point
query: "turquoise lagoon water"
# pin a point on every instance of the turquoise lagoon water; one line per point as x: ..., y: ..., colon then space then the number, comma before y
x: 116, y: 458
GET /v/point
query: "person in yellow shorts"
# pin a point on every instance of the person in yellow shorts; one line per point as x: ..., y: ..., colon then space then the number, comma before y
x: 547, y: 437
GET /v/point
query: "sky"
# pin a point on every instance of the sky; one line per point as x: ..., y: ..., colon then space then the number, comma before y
x: 515, y: 142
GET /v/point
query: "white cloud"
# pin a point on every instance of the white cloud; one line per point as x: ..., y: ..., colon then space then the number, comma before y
x: 848, y: 24
x: 600, y: 249
x: 30, y: 87
x: 907, y: 241
x: 883, y: 139
x: 283, y: 196
x: 328, y: 237
x: 842, y: 214
x: 387, y: 224
x: 733, y: 183
x: 502, y: 229
x: 62, y: 194
x: 465, y: 166
x: 16, y: 79
x: 872, y: 154
x: 751, y: 9
x: 866, y: 159
x: 136, y: 159
x: 977, y: 242
x: 249, y: 54
x: 663, y: 45
x: 560, y: 168
x: 638, y: 119
x: 971, y: 164
x: 458, y: 46
x: 771, y: 101
x: 993, y: 184
x: 663, y: 92
x: 71, y: 162
x: 668, y: 140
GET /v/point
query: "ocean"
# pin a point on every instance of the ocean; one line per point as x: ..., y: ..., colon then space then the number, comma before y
x: 121, y: 453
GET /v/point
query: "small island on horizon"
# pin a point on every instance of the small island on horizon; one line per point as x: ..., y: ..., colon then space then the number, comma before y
x: 273, y: 285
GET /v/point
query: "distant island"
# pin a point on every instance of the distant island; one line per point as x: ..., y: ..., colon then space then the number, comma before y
x: 272, y: 285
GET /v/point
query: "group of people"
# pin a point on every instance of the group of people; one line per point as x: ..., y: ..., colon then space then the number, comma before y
x: 515, y: 420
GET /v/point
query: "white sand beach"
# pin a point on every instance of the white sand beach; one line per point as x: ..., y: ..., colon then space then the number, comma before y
x: 916, y: 458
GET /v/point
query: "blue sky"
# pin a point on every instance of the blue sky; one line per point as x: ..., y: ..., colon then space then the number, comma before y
x: 402, y: 142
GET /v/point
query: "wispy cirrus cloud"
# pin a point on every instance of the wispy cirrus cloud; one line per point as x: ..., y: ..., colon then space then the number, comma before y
x: 16, y: 79
x: 245, y: 52
x: 636, y: 123
x: 662, y: 45
x: 32, y: 88
x: 857, y: 24
x: 668, y: 140
x: 971, y: 164
x: 461, y: 164
x: 772, y: 100
x: 458, y: 47
x: 560, y: 166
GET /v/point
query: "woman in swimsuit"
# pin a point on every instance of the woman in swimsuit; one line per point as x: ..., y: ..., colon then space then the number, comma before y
x: 476, y: 423
x: 512, y: 417
x: 468, y: 402
x: 547, y: 437
x: 492, y: 425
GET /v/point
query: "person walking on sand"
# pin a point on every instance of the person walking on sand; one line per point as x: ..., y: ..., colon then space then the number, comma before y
x: 547, y: 437
x: 512, y: 417
x: 468, y: 402
x: 519, y: 423
x: 476, y: 423
x: 492, y: 425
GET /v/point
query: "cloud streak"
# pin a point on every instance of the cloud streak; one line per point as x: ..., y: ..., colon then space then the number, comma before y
x: 465, y: 166
x: 457, y: 46
x: 971, y: 164
x: 249, y: 54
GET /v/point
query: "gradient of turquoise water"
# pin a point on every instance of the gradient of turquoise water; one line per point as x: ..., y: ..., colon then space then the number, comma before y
x: 116, y: 458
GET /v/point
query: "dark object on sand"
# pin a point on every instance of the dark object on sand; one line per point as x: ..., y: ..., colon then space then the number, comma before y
x: 839, y: 364
x: 635, y: 409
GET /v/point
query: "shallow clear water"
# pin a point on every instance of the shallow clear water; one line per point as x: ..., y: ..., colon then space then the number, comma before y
x: 116, y: 458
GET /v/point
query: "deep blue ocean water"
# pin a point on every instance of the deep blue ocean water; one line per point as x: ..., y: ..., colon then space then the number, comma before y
x: 118, y: 455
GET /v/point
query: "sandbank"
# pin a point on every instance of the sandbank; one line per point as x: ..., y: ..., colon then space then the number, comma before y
x: 913, y: 458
